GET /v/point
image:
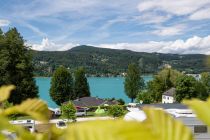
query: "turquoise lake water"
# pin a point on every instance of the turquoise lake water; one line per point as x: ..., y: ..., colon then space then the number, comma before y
x: 102, y: 87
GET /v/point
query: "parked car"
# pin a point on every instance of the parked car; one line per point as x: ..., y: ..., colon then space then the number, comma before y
x: 81, y: 112
x: 61, y: 125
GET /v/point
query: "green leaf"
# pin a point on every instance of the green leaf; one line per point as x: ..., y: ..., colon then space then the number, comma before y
x: 201, y: 108
x: 158, y: 126
x: 166, y: 127
x: 20, y: 131
x: 5, y: 92
x: 6, y: 127
x: 5, y: 124
x: 26, y: 135
x: 55, y: 133
x: 34, y: 107
x: 108, y: 130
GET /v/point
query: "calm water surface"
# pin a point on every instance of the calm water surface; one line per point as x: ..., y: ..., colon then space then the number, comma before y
x: 102, y: 87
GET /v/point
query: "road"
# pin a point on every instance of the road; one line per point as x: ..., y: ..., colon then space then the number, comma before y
x: 80, y: 119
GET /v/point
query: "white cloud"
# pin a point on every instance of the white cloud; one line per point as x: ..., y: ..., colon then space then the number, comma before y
x: 201, y: 14
x: 170, y: 31
x: 4, y: 22
x: 48, y: 45
x: 149, y: 17
x: 175, y: 7
x: 192, y: 45
x: 139, y: 47
x: 45, y: 8
x: 113, y: 21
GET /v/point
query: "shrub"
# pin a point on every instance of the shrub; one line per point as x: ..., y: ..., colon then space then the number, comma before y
x: 116, y: 111
x: 121, y: 101
x: 68, y: 111
x: 145, y: 97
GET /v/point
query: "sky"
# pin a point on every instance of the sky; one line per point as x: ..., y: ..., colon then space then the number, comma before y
x: 165, y: 26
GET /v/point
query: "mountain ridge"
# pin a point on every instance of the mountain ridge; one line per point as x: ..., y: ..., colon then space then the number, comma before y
x: 105, y: 61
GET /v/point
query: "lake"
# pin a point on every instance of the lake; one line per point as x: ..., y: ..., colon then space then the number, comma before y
x: 102, y: 87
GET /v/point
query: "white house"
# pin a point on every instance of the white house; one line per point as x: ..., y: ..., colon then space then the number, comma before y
x: 168, y: 96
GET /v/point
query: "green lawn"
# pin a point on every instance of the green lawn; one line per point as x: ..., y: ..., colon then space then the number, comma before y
x: 92, y: 114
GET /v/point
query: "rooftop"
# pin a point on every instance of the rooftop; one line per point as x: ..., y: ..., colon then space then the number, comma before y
x: 164, y: 106
x: 170, y: 92
x: 92, y: 101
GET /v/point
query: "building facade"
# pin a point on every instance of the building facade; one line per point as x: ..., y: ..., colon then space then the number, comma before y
x: 168, y: 96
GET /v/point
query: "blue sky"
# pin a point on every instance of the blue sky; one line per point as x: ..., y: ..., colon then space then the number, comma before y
x: 168, y: 26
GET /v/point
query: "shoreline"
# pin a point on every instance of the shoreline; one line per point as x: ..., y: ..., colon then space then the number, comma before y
x: 147, y: 75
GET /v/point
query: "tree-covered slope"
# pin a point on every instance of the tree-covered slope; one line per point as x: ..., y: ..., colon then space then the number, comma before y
x: 100, y: 61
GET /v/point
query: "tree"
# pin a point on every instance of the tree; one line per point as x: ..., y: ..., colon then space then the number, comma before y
x: 2, y: 59
x: 141, y: 64
x: 116, y: 111
x: 156, y: 88
x: 168, y: 77
x: 163, y: 81
x: 1, y: 35
x: 202, y: 91
x: 121, y: 101
x: 145, y: 97
x: 1, y: 32
x: 205, y: 79
x: 81, y: 86
x: 61, y: 89
x: 6, y: 104
x: 16, y: 66
x: 187, y: 87
x: 133, y: 81
x: 68, y: 111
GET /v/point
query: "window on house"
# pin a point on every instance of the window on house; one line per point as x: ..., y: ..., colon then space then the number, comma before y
x: 200, y: 129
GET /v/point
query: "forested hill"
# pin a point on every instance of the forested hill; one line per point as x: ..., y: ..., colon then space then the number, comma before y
x: 101, y: 61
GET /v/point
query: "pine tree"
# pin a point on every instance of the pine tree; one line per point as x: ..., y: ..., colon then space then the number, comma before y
x: 61, y: 89
x: 133, y: 81
x: 81, y: 86
x: 16, y: 67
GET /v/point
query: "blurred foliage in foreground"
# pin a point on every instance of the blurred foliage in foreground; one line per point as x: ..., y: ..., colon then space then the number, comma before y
x: 157, y: 126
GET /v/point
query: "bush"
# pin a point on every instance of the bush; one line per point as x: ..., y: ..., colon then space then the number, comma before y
x: 145, y: 97
x: 68, y: 110
x: 116, y: 111
x: 121, y: 101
